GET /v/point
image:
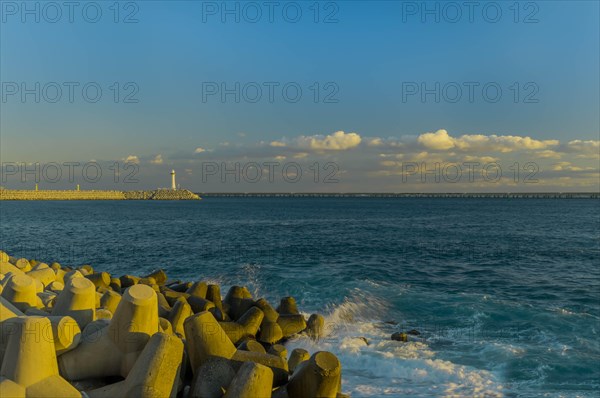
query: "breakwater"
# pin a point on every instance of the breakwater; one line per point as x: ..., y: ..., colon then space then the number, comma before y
x: 158, y: 194
x: 76, y: 331
x: 491, y: 195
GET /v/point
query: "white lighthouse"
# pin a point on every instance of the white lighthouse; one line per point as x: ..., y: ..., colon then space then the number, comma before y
x: 173, y: 185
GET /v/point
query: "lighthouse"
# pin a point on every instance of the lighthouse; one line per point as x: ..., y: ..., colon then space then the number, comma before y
x: 173, y: 185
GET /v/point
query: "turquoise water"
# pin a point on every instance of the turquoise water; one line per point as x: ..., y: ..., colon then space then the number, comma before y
x: 505, y: 293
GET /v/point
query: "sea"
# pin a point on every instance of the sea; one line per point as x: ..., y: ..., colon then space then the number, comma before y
x: 505, y: 293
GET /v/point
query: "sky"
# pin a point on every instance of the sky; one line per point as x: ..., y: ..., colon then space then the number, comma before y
x: 343, y: 96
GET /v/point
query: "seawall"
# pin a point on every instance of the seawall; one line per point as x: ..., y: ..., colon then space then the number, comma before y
x: 159, y: 194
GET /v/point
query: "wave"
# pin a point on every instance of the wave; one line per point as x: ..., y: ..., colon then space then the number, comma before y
x: 375, y: 365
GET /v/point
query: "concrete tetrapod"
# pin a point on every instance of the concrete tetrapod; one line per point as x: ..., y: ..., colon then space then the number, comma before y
x: 206, y: 339
x: 179, y: 313
x: 114, y: 349
x: 239, y: 300
x: 155, y: 373
x: 43, y: 273
x: 30, y: 362
x: 291, y: 324
x: 65, y: 332
x: 317, y: 377
x: 277, y: 364
x: 77, y: 300
x: 246, y: 325
x: 21, y: 291
x: 288, y: 306
x: 297, y: 356
x: 315, y: 327
x: 270, y: 332
x: 252, y: 345
x: 110, y: 300
x: 253, y: 380
x: 212, y: 378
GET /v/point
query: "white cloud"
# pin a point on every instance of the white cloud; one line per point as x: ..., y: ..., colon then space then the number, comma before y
x: 199, y: 150
x: 338, y: 141
x: 132, y: 159
x: 548, y: 154
x: 278, y: 144
x: 441, y: 141
x: 586, y: 149
x: 157, y: 159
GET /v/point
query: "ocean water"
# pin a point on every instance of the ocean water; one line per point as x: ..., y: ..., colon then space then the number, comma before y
x: 505, y: 293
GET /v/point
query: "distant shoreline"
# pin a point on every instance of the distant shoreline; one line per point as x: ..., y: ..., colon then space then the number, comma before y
x: 184, y: 194
x: 158, y: 194
x: 507, y: 195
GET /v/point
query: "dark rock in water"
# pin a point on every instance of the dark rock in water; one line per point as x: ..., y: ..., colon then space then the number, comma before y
x: 391, y: 322
x: 399, y: 336
x: 365, y: 340
x: 414, y: 332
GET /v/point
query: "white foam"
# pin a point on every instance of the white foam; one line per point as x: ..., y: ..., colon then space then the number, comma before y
x: 385, y: 367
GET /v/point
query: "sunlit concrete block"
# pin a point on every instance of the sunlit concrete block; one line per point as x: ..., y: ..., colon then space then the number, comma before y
x: 65, y: 332
x: 317, y: 377
x: 43, y: 273
x: 165, y: 326
x: 110, y: 300
x: 103, y: 313
x: 7, y: 312
x: 288, y: 306
x: 87, y: 269
x: 6, y: 268
x: 159, y: 276
x: 291, y: 324
x: 246, y: 325
x: 55, y: 287
x: 213, y: 293
x: 238, y: 300
x: 277, y: 364
x: 252, y: 345
x: 4, y: 257
x: 113, y: 350
x: 297, y: 356
x: 206, y: 339
x: 315, y: 327
x: 30, y: 360
x: 99, y: 279
x: 77, y: 300
x: 23, y: 264
x: 270, y: 313
x: 253, y: 380
x: 71, y: 275
x: 9, y: 388
x: 270, y: 333
x: 198, y: 289
x: 180, y: 312
x: 278, y: 350
x: 21, y: 291
x: 155, y: 373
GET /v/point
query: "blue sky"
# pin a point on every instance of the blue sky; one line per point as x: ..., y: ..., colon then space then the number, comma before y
x: 364, y: 60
